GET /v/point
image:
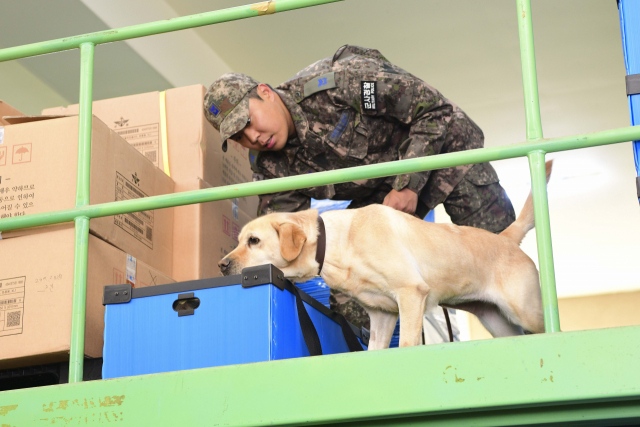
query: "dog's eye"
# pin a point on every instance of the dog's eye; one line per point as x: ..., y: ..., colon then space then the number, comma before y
x: 253, y: 241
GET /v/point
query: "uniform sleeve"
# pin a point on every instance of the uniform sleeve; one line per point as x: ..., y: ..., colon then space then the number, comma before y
x: 287, y: 201
x: 381, y: 89
x: 428, y: 128
x: 274, y: 165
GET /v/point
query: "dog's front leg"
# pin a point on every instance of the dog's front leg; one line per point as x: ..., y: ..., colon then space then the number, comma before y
x: 412, y: 303
x: 382, y: 325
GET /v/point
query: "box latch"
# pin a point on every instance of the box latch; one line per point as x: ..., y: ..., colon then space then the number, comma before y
x: 262, y: 275
x: 116, y: 294
x: 633, y: 84
x: 186, y: 304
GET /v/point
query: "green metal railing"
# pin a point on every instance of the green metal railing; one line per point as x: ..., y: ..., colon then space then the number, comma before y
x: 534, y: 148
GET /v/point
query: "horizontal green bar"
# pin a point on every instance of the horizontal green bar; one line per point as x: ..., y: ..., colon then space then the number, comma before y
x: 566, y: 377
x: 152, y: 28
x: 324, y: 178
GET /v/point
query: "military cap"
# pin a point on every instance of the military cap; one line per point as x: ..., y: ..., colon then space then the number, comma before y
x: 226, y: 105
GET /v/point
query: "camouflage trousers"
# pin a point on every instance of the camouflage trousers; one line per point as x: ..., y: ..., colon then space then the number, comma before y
x: 477, y: 201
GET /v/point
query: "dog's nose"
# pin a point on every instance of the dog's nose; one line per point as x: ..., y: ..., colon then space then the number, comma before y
x: 223, y: 263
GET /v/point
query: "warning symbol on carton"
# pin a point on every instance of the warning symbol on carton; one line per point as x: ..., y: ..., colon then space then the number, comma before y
x: 3, y: 156
x: 21, y: 153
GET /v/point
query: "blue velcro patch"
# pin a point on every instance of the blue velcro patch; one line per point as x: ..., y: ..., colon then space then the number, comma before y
x: 214, y: 110
x: 340, y: 127
x: 319, y: 83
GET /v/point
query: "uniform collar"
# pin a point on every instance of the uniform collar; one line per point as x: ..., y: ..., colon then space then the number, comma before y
x: 297, y: 115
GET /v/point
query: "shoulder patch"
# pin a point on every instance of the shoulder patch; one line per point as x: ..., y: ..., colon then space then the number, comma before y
x: 319, y: 83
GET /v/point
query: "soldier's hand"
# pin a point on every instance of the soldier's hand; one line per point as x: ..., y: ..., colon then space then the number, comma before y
x: 404, y: 200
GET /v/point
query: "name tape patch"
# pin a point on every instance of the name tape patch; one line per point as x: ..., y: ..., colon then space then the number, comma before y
x: 368, y: 94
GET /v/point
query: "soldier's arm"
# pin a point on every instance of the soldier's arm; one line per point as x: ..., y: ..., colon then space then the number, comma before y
x: 428, y: 128
x: 274, y: 165
x: 401, y: 97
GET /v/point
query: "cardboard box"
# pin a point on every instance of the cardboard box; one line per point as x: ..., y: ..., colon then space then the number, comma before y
x: 36, y: 287
x: 204, y: 233
x: 38, y: 174
x: 194, y: 146
x: 7, y: 110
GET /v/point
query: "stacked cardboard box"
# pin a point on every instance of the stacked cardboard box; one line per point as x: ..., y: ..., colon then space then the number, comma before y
x: 36, y: 284
x: 171, y: 130
x: 9, y: 111
x: 38, y: 173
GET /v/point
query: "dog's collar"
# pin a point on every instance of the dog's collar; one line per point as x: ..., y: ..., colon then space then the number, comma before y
x: 322, y: 244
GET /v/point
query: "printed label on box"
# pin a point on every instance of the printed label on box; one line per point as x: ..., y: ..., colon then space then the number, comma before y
x: 137, y: 224
x: 144, y: 138
x: 15, y: 200
x: 11, y: 305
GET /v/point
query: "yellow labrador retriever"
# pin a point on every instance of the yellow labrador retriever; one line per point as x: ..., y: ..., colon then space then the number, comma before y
x: 394, y: 263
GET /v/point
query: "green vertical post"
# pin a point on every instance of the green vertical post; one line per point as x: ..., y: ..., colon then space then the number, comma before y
x: 529, y: 77
x: 76, y: 357
x: 537, y: 168
x: 543, y: 237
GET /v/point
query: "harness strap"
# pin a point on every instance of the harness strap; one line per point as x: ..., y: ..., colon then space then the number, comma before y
x: 322, y: 244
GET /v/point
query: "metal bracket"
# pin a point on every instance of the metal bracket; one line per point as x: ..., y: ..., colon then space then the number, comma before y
x: 263, y: 275
x: 116, y: 294
x: 633, y: 84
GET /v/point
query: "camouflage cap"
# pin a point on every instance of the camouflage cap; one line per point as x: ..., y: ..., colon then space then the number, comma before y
x: 226, y: 105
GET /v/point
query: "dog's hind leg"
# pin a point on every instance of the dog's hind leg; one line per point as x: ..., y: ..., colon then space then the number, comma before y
x: 523, y: 304
x: 497, y: 323
x: 491, y: 318
x: 412, y: 303
x: 382, y: 325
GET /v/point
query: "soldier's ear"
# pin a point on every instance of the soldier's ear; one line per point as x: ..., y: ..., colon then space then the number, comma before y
x: 266, y: 92
x: 292, y: 239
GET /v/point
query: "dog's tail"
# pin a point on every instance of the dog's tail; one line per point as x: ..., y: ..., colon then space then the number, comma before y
x: 525, y: 221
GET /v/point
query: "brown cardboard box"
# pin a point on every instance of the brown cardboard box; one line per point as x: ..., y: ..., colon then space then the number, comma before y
x: 36, y: 283
x: 7, y: 110
x: 194, y: 146
x: 38, y: 174
x: 204, y: 233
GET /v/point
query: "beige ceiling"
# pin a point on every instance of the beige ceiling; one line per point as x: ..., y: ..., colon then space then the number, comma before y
x: 466, y: 49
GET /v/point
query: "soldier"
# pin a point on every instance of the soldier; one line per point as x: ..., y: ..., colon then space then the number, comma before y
x: 356, y: 108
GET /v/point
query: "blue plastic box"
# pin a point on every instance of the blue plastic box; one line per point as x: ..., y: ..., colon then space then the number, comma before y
x: 160, y: 329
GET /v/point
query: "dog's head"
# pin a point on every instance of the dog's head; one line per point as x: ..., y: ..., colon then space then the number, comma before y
x: 286, y: 240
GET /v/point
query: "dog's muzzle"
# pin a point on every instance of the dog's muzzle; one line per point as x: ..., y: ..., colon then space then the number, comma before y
x: 229, y: 267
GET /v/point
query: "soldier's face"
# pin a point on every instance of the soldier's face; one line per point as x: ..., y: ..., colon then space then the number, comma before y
x: 267, y: 129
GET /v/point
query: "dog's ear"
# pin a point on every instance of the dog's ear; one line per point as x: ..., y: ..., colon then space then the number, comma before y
x: 292, y: 239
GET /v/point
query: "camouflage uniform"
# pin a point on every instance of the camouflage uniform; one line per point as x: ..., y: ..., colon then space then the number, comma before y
x: 356, y: 108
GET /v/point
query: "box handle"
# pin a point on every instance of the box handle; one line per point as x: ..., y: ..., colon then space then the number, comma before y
x: 186, y: 304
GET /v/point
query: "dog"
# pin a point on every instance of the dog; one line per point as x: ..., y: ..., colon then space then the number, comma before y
x: 396, y: 264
